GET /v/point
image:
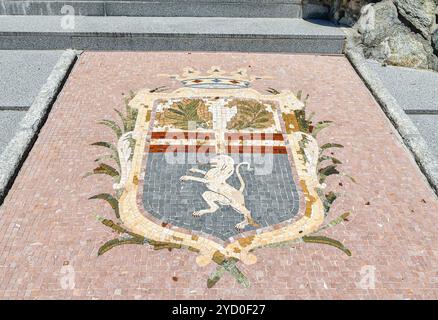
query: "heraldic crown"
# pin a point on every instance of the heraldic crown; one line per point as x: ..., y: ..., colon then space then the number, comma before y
x: 215, y: 78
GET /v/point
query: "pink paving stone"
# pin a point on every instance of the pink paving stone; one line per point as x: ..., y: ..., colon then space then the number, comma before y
x: 46, y: 222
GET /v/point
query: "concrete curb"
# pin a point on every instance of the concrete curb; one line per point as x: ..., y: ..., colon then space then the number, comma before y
x: 16, y: 151
x: 405, y: 127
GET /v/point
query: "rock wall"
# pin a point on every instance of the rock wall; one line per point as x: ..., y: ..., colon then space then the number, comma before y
x: 396, y: 32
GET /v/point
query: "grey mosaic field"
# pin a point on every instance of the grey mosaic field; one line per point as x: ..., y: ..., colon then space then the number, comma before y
x: 271, y: 198
x: 9, y: 123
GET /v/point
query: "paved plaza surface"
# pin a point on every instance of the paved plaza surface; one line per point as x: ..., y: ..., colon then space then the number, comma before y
x: 54, y: 240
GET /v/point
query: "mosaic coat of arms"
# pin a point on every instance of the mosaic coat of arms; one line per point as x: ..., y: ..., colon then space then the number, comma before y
x: 217, y: 168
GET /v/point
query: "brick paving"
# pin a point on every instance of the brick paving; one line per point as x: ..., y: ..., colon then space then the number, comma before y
x: 49, y: 231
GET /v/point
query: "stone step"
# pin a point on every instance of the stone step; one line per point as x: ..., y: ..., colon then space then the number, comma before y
x: 155, y: 8
x: 176, y: 33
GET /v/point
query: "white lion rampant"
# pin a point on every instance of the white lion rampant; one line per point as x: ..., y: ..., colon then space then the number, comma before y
x: 220, y: 192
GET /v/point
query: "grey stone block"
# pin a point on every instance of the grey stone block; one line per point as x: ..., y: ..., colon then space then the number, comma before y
x: 29, y: 41
x: 51, y: 8
x: 428, y: 127
x: 18, y: 25
x: 22, y: 74
x: 415, y: 90
x: 152, y: 33
x: 204, y: 9
x: 205, y: 43
x: 9, y: 123
x: 157, y: 8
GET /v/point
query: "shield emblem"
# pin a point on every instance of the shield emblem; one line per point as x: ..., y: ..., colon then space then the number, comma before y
x: 218, y: 168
